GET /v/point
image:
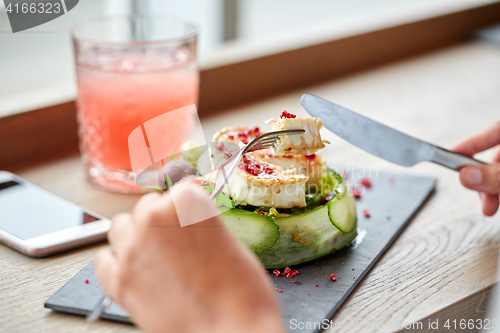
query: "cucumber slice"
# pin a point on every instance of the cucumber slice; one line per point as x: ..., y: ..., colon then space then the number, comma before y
x: 256, y: 231
x: 305, y: 237
x: 342, y: 210
x: 291, y: 240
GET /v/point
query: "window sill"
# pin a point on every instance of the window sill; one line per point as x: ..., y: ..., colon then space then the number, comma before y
x: 247, y: 71
x: 277, y: 47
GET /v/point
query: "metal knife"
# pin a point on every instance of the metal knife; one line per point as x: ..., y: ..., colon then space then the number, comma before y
x: 378, y: 139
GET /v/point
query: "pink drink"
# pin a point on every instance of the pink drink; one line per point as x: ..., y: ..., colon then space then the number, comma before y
x: 121, y: 85
x: 112, y: 105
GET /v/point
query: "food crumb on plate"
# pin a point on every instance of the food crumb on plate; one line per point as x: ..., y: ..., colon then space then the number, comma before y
x: 366, y: 182
x: 356, y: 193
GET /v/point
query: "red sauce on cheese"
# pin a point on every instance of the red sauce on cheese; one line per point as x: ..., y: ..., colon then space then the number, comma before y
x: 255, y: 169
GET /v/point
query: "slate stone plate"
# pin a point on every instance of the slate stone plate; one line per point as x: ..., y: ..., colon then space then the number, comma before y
x: 392, y: 201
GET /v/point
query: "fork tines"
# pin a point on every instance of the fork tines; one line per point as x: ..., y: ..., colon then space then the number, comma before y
x: 259, y: 147
x: 268, y: 140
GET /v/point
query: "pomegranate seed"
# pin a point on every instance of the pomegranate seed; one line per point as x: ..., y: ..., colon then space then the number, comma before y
x: 267, y: 169
x: 278, y: 290
x: 310, y: 157
x: 287, y: 270
x: 254, y: 168
x: 286, y: 114
x: 276, y: 272
x: 261, y: 212
x: 332, y: 277
x: 317, y: 285
x: 86, y: 281
x: 231, y: 137
x: 366, y: 182
x: 355, y: 193
x: 366, y: 213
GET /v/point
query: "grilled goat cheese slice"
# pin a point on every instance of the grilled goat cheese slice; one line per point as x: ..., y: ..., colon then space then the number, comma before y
x: 310, y: 166
x: 298, y: 144
x: 257, y: 181
x: 260, y: 184
x: 237, y: 134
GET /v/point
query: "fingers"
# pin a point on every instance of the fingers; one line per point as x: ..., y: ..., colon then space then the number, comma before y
x: 121, y: 231
x: 482, y: 178
x: 155, y: 209
x: 479, y: 142
x: 193, y: 205
x: 496, y: 155
x: 183, y: 205
x: 106, y: 269
x: 491, y: 203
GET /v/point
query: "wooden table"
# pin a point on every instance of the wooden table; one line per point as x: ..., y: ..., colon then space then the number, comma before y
x: 443, y: 265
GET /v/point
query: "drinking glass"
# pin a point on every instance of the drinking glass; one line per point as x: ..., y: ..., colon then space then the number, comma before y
x: 130, y: 69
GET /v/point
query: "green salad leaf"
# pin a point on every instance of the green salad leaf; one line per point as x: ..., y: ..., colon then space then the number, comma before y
x: 168, y: 182
x: 222, y: 200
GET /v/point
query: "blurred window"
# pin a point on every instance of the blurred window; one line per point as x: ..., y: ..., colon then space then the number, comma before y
x: 36, y: 65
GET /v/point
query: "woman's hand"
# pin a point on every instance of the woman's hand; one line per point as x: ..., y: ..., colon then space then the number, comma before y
x: 184, y: 279
x: 483, y: 178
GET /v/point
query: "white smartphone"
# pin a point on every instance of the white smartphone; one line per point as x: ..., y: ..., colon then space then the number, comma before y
x: 38, y: 223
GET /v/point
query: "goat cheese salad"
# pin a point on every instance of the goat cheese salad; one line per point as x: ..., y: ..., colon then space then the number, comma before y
x: 284, y: 203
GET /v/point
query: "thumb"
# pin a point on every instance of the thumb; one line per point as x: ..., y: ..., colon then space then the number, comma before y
x: 193, y: 205
x: 484, y: 178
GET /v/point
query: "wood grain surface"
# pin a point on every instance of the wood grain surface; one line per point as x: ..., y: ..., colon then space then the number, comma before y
x: 445, y: 258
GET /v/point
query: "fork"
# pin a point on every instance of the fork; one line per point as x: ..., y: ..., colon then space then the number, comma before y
x: 264, y: 141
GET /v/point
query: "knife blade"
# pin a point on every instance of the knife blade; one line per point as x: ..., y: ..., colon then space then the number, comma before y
x: 379, y: 139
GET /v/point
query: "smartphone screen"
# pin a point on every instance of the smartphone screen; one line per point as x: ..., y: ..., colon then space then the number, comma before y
x: 27, y: 212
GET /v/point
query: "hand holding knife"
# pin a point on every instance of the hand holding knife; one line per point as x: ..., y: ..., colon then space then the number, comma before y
x: 399, y: 148
x: 378, y: 139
